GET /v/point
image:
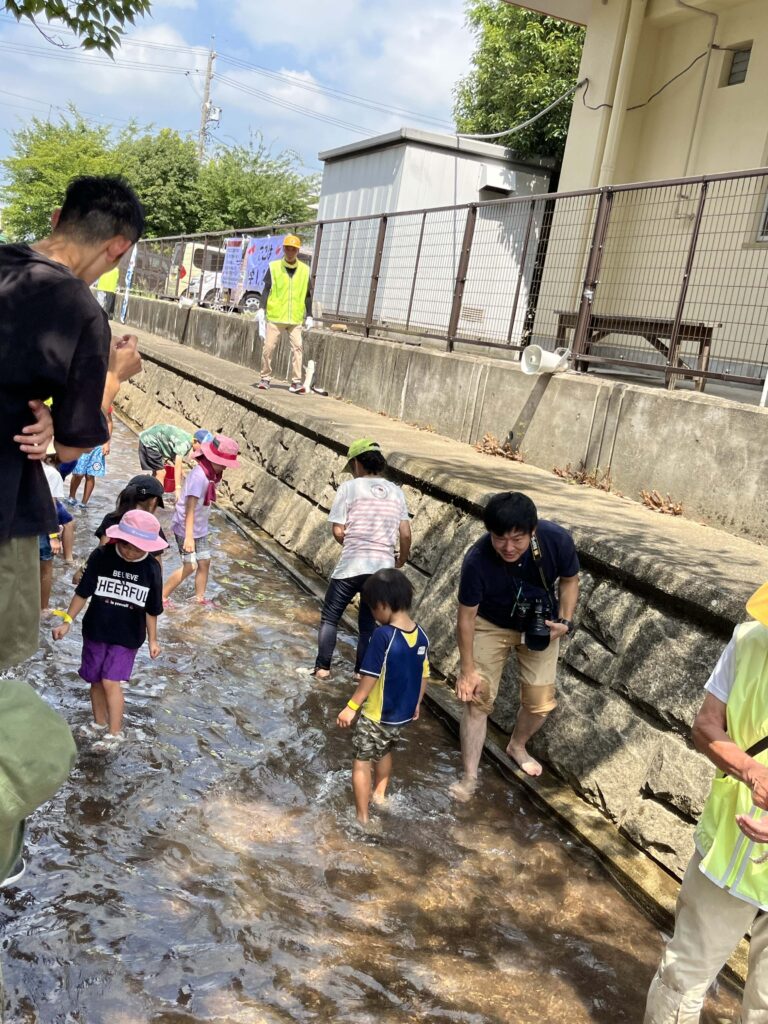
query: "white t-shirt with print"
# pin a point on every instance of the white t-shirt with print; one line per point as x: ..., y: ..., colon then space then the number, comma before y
x: 371, y: 510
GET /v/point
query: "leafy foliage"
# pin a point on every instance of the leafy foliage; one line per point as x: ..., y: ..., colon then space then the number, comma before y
x: 241, y: 187
x: 522, y: 62
x: 99, y: 23
x: 247, y: 186
x: 164, y: 170
x: 44, y: 158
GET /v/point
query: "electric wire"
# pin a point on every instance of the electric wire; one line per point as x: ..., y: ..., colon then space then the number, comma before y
x: 531, y: 120
x: 658, y: 92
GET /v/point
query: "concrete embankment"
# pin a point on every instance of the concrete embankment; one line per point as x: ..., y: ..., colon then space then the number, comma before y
x: 706, y: 452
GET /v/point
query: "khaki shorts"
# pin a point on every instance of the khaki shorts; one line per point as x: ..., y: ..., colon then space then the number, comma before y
x: 19, y: 599
x: 537, y: 669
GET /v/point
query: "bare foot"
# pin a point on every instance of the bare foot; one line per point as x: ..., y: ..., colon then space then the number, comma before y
x: 380, y: 799
x: 321, y: 673
x: 463, y: 789
x: 523, y: 759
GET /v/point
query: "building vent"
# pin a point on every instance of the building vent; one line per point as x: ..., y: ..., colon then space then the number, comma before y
x: 472, y: 314
x: 737, y: 69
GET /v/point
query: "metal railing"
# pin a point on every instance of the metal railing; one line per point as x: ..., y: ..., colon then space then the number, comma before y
x: 668, y: 277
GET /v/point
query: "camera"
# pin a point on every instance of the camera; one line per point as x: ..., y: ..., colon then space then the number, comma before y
x: 529, y: 617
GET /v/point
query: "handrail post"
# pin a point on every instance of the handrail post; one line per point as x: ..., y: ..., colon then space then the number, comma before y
x: 461, y: 275
x: 315, y: 260
x: 589, y: 286
x: 415, y: 271
x: 375, y: 273
x: 521, y: 272
x: 674, y: 338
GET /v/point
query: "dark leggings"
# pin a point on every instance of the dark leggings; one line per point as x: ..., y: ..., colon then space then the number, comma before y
x: 337, y: 597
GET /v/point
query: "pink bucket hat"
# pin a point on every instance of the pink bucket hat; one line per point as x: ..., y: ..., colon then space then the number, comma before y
x: 139, y: 528
x: 222, y: 450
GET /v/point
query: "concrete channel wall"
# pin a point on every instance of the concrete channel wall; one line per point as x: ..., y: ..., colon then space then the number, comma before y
x: 708, y: 453
x: 630, y: 678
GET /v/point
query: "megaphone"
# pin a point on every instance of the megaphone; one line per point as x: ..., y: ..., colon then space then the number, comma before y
x: 538, y: 360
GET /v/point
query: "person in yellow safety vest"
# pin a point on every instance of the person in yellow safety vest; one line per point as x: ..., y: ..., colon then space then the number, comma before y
x: 287, y: 300
x: 725, y: 889
x: 106, y: 288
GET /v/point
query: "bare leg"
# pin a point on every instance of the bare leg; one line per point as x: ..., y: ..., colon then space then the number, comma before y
x: 381, y: 772
x: 68, y: 541
x: 176, y: 578
x: 74, y: 484
x: 201, y: 577
x: 113, y: 692
x: 361, y: 787
x: 474, y: 725
x: 526, y: 726
x: 90, y: 483
x: 46, y: 579
x: 99, y: 703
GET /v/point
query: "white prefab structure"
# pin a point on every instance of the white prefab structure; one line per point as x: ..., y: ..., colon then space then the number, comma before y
x: 415, y: 173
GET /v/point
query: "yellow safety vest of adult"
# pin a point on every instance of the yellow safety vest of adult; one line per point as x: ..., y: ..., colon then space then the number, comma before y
x: 108, y: 280
x: 730, y: 859
x: 288, y: 295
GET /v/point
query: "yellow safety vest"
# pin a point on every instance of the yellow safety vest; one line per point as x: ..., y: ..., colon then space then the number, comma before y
x: 729, y: 858
x: 108, y: 280
x: 287, y: 298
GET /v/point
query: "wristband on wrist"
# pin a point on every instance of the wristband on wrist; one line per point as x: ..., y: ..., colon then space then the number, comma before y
x: 64, y: 615
x: 53, y: 536
x: 352, y: 704
x: 568, y: 623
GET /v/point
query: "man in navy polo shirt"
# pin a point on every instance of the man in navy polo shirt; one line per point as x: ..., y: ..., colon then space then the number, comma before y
x: 520, y: 561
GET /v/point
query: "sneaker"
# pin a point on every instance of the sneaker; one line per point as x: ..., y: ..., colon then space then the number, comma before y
x: 17, y: 871
x: 319, y: 391
x: 109, y: 742
x: 81, y: 505
x: 92, y: 730
x: 297, y: 388
x: 72, y: 502
x: 264, y: 384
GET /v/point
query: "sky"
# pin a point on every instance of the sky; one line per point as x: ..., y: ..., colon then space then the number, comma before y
x: 402, y: 58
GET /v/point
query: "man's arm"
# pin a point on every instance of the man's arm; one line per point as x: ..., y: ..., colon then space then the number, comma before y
x: 35, y: 437
x: 404, y: 545
x: 568, y: 589
x: 308, y: 299
x: 124, y: 363
x: 469, y: 679
x: 710, y: 737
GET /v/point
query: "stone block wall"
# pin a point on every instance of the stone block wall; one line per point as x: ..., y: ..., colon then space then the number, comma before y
x: 630, y: 678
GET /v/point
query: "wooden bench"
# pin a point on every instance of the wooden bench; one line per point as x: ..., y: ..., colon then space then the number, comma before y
x: 653, y: 329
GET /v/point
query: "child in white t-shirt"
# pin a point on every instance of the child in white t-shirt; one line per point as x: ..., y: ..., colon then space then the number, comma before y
x: 370, y: 520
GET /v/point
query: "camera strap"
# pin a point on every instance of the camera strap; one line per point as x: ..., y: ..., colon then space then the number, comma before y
x: 537, y: 558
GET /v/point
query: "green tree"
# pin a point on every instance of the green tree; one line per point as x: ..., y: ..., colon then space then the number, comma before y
x: 44, y: 158
x: 99, y: 23
x: 246, y: 186
x: 164, y: 170
x: 522, y: 62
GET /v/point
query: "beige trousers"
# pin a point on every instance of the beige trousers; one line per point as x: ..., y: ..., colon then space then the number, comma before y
x: 709, y: 923
x: 274, y: 333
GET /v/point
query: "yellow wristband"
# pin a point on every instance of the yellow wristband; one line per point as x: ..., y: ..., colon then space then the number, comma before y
x: 53, y: 536
x: 64, y: 615
x: 353, y: 705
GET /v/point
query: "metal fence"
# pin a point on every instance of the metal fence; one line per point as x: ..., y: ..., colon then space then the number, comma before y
x: 668, y: 278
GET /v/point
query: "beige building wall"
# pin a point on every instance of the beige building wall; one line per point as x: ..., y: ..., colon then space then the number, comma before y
x: 697, y: 125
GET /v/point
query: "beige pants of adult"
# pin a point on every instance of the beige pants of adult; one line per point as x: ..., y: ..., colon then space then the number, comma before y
x: 274, y: 333
x: 709, y: 923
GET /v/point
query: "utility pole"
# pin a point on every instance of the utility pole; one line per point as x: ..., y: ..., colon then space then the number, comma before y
x: 205, y: 110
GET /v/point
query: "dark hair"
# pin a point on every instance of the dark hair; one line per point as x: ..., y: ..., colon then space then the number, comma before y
x: 390, y: 587
x: 373, y: 463
x: 96, y: 209
x: 127, y: 500
x: 510, y: 510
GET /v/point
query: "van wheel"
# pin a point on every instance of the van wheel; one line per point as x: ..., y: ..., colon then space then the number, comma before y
x: 251, y: 302
x: 213, y: 297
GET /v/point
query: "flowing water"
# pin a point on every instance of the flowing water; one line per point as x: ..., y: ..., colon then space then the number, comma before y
x: 210, y: 869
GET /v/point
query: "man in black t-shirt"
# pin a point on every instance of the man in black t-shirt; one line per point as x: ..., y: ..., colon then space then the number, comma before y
x: 55, y: 341
x: 521, y: 565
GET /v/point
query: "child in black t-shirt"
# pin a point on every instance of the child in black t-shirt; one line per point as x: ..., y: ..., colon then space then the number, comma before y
x: 126, y: 591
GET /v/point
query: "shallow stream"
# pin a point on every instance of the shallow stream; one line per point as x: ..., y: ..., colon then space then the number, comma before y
x: 210, y: 869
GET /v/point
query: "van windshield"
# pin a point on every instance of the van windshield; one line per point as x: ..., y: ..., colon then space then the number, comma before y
x: 213, y: 258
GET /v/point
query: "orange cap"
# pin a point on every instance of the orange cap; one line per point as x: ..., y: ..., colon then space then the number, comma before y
x: 293, y: 240
x: 757, y: 605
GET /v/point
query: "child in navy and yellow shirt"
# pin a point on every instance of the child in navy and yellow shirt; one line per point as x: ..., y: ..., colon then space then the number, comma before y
x: 393, y: 675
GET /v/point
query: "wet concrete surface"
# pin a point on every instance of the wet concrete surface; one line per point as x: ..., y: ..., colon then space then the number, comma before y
x: 210, y: 868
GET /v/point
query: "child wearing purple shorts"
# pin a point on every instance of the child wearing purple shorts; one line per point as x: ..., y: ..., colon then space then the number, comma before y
x: 125, y: 588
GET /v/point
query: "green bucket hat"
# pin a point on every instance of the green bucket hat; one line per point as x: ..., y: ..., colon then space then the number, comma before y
x: 37, y: 753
